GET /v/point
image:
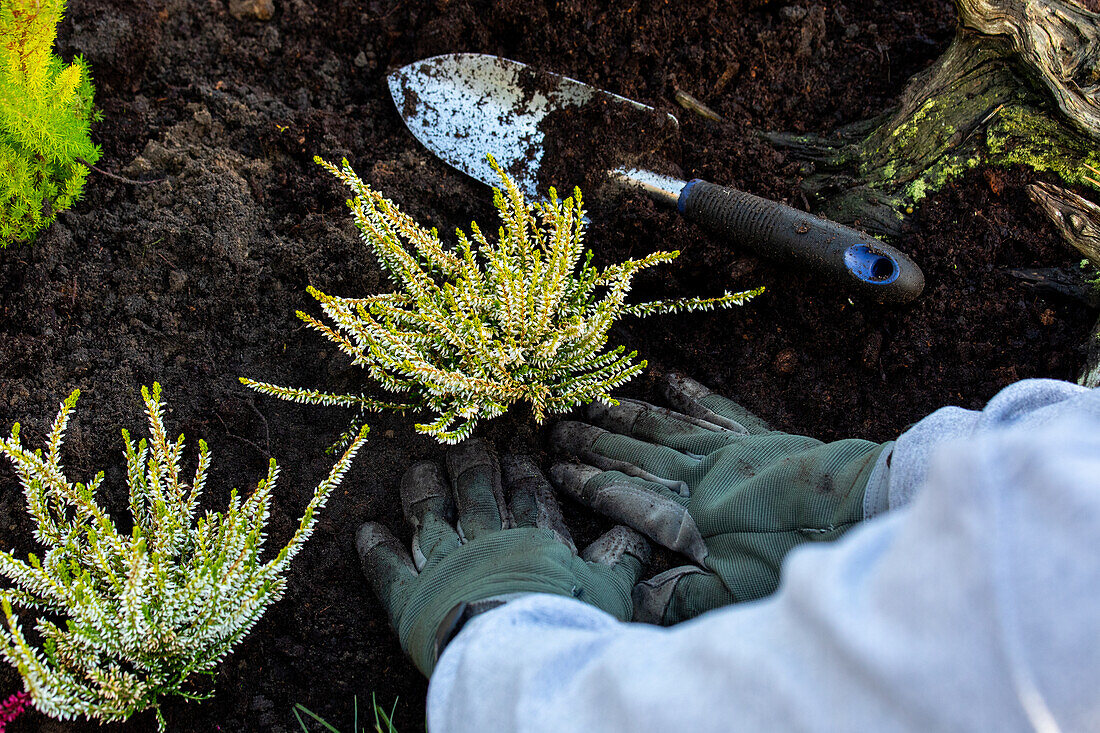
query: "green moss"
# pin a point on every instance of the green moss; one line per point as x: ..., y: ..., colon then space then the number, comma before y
x: 945, y: 169
x: 1092, y: 273
x: 1022, y: 136
x: 1018, y: 135
x: 916, y: 190
x: 985, y: 116
x: 907, y: 131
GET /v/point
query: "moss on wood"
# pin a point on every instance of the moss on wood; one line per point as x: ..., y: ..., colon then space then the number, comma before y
x: 1018, y: 85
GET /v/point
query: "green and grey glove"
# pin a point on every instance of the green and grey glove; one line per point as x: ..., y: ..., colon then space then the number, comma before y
x: 715, y: 483
x: 491, y: 554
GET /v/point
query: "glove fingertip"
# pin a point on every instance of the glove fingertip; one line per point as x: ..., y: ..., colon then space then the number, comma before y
x: 423, y: 487
x: 369, y: 536
x: 470, y: 453
x: 377, y: 539
x: 694, y: 399
x: 573, y: 438
x: 532, y: 499
x: 653, y: 597
x: 515, y: 468
x: 618, y: 418
x: 571, y: 478
x: 474, y: 468
x: 387, y: 566
x: 682, y: 389
x: 618, y: 541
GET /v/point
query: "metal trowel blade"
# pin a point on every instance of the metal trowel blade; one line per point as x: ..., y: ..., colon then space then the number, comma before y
x: 466, y: 106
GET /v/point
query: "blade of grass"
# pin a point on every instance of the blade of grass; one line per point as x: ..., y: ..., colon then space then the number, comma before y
x: 383, y: 721
x: 315, y: 716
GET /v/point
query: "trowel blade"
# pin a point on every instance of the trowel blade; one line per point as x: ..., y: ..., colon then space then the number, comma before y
x: 466, y: 106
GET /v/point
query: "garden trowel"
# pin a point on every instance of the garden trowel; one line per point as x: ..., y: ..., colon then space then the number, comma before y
x: 464, y: 107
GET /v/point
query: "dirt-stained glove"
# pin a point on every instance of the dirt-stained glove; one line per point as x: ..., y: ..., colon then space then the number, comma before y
x: 715, y: 483
x: 492, y: 553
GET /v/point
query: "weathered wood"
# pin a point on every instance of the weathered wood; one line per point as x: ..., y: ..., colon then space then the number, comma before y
x: 1068, y: 281
x: 1077, y: 218
x: 1019, y: 84
x: 1056, y: 42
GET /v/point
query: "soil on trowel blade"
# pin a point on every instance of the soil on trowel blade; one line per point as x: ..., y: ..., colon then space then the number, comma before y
x: 194, y: 281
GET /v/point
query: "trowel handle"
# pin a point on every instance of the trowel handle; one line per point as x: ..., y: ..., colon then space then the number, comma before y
x: 780, y: 232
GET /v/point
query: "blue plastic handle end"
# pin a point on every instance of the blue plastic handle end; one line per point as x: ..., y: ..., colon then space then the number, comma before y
x: 871, y: 266
x: 681, y: 203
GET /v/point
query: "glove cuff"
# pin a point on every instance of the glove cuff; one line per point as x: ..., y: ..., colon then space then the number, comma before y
x: 457, y: 617
x: 876, y: 496
x: 652, y: 597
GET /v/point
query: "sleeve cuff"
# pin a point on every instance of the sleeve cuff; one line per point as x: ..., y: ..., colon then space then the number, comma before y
x: 876, y: 497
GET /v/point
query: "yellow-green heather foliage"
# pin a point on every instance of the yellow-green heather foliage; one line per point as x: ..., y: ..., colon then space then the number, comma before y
x: 124, y: 619
x: 45, y: 111
x: 475, y: 328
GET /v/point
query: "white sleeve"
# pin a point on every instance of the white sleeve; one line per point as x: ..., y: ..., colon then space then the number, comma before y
x: 902, y: 469
x: 975, y: 608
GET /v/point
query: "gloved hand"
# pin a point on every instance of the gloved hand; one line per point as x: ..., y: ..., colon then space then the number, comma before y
x: 714, y: 483
x: 491, y: 554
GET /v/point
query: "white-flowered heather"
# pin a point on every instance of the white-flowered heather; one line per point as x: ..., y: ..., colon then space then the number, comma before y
x: 472, y: 330
x: 123, y: 620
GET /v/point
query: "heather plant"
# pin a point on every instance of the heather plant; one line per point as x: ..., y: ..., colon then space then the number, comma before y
x: 124, y: 618
x: 474, y: 329
x: 13, y: 707
x: 45, y: 112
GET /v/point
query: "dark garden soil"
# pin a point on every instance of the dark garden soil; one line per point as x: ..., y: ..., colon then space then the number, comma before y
x: 194, y: 281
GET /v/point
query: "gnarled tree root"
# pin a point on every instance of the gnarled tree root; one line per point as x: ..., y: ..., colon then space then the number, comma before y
x: 1019, y: 84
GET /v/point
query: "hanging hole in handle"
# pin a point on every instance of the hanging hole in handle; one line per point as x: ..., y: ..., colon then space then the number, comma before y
x: 869, y: 265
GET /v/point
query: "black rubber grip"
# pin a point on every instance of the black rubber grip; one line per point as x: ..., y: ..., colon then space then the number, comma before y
x: 848, y: 257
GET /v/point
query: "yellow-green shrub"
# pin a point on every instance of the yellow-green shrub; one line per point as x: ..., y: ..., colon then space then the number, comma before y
x: 478, y: 327
x: 45, y: 111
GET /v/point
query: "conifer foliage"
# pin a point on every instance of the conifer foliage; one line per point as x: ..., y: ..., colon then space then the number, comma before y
x: 45, y: 111
x: 124, y: 619
x: 474, y: 329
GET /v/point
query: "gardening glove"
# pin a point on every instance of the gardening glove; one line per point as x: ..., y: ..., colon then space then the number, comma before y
x: 490, y: 554
x: 715, y: 483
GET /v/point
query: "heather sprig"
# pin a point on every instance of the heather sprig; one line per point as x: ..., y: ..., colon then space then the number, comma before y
x: 13, y: 707
x: 124, y: 619
x: 472, y: 329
